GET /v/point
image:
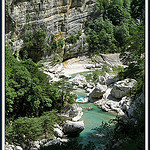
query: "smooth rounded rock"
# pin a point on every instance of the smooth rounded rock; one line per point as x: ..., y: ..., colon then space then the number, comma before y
x: 73, y: 128
x: 79, y: 80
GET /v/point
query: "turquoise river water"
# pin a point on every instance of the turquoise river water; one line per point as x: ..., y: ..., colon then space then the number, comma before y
x: 92, y: 119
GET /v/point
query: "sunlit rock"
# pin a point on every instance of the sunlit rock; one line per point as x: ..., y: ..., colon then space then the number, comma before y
x: 73, y: 128
x: 79, y: 80
x: 101, y: 80
x: 59, y: 132
x: 111, y: 80
x: 98, y: 92
x: 122, y: 88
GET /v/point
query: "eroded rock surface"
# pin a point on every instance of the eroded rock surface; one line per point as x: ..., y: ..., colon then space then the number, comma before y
x: 59, y: 17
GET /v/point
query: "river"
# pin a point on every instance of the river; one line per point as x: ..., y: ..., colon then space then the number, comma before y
x: 92, y: 119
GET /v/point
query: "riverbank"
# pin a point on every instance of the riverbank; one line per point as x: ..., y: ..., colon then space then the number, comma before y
x: 81, y: 64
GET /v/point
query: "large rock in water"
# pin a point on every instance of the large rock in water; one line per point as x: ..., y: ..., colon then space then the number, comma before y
x: 98, y: 92
x: 73, y: 128
x: 108, y: 103
x: 122, y: 88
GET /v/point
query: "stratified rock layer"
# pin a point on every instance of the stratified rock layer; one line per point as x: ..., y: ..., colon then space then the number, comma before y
x: 60, y: 17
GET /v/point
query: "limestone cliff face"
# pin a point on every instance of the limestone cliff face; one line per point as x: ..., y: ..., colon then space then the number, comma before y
x: 65, y: 16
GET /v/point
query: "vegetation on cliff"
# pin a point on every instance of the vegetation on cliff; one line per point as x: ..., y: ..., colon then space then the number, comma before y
x: 111, y: 26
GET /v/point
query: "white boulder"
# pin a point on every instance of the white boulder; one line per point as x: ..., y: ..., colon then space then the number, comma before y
x: 64, y: 140
x: 110, y: 104
x: 75, y: 110
x: 79, y: 80
x: 53, y: 142
x: 98, y: 92
x: 125, y: 103
x: 78, y: 117
x: 9, y: 147
x: 18, y: 148
x: 89, y: 66
x: 107, y: 76
x: 35, y: 145
x: 98, y: 65
x: 59, y: 132
x: 73, y: 128
x: 57, y: 68
x: 101, y: 80
x: 122, y: 88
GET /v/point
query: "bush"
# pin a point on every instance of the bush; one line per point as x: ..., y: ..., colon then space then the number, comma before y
x: 100, y: 36
x: 71, y: 40
x: 26, y: 129
x: 34, y: 45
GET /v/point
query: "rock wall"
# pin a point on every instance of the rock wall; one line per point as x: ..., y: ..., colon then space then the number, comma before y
x: 57, y: 16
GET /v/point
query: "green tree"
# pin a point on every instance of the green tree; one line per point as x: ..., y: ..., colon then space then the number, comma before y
x: 134, y: 47
x: 48, y: 119
x: 121, y: 34
x: 61, y: 94
x: 138, y: 10
x: 27, y: 88
x: 100, y: 36
x: 27, y: 130
x: 34, y: 45
x: 102, y: 4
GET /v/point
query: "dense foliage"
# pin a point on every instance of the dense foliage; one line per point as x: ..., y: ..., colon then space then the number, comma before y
x: 73, y: 38
x: 28, y: 95
x: 100, y: 36
x: 34, y: 45
x: 134, y: 55
x: 26, y: 129
x: 27, y: 88
x: 111, y: 26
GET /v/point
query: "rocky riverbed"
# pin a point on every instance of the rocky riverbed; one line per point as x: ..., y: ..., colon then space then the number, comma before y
x: 109, y: 92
